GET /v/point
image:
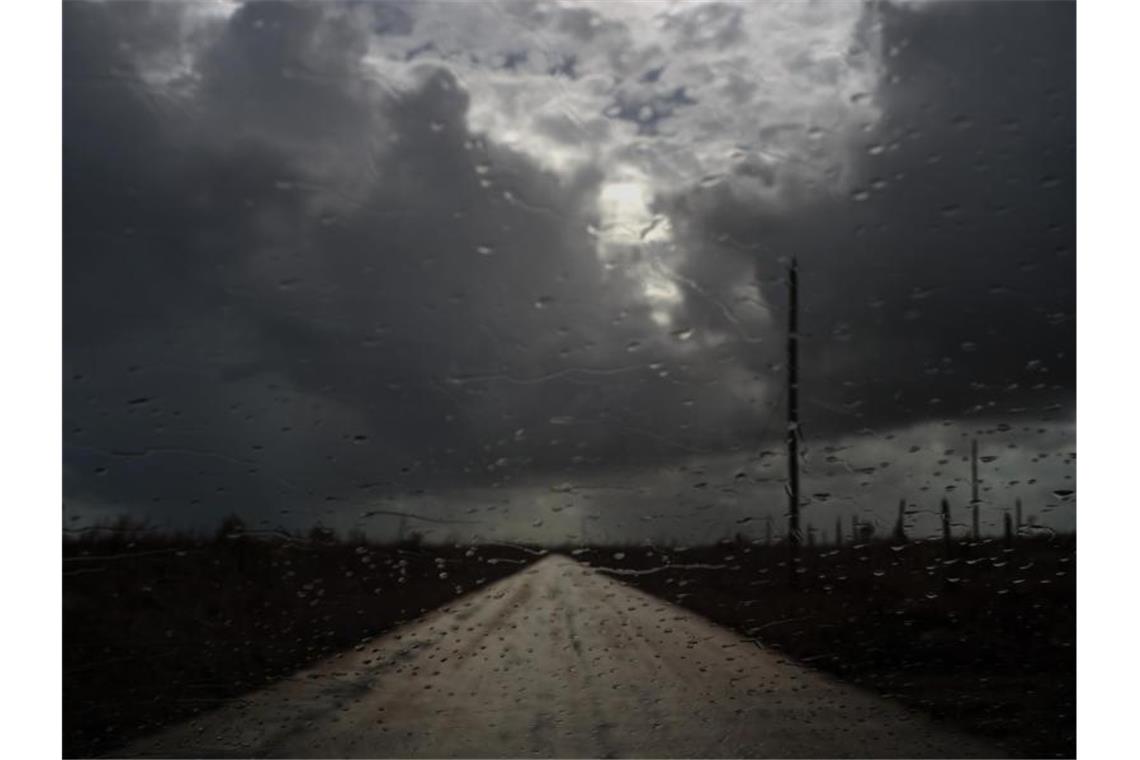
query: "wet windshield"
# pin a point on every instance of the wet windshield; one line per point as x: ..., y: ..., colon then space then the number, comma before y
x: 542, y: 378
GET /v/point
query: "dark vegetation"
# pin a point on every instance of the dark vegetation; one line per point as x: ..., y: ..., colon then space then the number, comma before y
x: 984, y: 639
x: 158, y: 627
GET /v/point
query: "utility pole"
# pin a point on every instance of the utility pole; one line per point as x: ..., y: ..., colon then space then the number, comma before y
x: 974, y: 485
x: 900, y: 523
x: 946, y: 527
x: 793, y: 431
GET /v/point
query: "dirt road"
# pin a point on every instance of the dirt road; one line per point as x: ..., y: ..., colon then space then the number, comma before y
x: 560, y: 661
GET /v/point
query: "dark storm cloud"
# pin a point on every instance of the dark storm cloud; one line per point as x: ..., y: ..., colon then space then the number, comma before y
x: 944, y: 285
x: 318, y: 287
x: 288, y: 283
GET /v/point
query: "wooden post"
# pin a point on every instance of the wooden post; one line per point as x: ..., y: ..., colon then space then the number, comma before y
x: 838, y: 531
x: 1008, y: 530
x: 1018, y: 522
x: 793, y: 430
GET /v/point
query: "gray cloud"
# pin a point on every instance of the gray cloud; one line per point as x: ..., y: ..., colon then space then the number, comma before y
x: 295, y: 281
x: 944, y: 284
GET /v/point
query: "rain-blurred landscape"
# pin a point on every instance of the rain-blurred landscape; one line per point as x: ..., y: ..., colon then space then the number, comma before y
x: 767, y: 310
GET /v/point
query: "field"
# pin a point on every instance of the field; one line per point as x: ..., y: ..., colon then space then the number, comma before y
x: 984, y: 638
x: 157, y: 628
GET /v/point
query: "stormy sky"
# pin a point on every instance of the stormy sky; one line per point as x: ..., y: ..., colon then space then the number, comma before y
x: 518, y: 268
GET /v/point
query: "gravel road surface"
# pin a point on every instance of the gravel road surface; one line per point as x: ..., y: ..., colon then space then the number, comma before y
x: 560, y: 661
